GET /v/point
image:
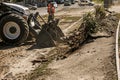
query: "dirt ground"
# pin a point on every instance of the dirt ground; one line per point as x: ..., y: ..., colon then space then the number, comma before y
x: 93, y: 61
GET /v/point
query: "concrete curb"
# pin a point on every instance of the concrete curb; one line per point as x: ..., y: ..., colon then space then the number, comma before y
x: 117, y: 53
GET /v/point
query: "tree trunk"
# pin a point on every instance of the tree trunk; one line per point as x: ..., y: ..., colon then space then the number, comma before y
x: 108, y: 3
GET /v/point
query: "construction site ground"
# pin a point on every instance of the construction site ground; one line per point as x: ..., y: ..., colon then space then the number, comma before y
x: 92, y: 61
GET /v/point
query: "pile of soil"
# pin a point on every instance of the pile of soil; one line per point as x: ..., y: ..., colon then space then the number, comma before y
x: 109, y: 24
x: 92, y: 27
x: 77, y: 37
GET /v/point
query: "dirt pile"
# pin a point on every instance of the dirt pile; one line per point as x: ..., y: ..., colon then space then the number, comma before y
x: 109, y: 24
x: 93, y: 25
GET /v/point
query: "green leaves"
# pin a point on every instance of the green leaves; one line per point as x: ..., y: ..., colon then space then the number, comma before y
x: 90, y: 22
x: 100, y: 12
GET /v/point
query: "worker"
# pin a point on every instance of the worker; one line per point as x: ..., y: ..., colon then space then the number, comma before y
x: 51, y: 11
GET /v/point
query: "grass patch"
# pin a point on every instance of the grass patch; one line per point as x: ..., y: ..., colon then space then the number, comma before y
x: 90, y: 22
x: 100, y: 12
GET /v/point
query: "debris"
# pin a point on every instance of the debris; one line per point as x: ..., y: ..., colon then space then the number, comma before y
x: 39, y: 61
x: 93, y: 23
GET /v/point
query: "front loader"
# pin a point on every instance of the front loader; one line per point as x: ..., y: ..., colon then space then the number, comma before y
x: 17, y: 24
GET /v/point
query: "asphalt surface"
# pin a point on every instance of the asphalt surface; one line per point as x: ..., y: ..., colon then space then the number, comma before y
x: 43, y: 10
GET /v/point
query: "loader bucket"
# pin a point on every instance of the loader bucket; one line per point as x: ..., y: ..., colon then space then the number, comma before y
x: 44, y: 39
x: 55, y: 30
x: 49, y: 35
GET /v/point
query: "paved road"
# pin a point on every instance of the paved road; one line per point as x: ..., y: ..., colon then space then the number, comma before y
x: 43, y: 10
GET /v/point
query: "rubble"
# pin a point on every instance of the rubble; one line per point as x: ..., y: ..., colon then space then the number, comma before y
x: 93, y: 23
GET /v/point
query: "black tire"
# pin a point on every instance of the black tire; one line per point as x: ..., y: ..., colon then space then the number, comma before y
x: 22, y: 26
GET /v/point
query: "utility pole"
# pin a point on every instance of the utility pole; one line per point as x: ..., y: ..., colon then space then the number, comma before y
x: 108, y: 3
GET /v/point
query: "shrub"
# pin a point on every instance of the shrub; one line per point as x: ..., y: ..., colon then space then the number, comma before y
x: 100, y: 12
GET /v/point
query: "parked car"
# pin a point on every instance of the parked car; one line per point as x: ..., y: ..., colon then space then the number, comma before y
x: 86, y: 2
x: 59, y: 1
x: 55, y: 4
x: 73, y: 1
x: 67, y: 2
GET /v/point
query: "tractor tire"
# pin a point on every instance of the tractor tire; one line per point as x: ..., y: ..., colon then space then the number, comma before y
x: 14, y: 29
